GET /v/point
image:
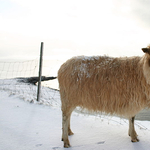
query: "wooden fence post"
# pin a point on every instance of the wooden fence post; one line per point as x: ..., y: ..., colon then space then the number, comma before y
x: 40, y: 72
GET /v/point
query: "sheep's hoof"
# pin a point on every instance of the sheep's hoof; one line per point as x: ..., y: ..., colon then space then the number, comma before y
x: 67, y: 145
x: 70, y: 133
x: 135, y: 140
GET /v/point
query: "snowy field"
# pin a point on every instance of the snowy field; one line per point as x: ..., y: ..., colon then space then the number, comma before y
x: 29, y: 125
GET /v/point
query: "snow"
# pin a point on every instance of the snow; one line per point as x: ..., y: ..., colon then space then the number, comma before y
x: 37, y: 126
x: 84, y: 70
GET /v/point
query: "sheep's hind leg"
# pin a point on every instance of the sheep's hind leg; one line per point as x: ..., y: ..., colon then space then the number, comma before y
x: 132, y: 132
x: 66, y: 126
x: 69, y: 129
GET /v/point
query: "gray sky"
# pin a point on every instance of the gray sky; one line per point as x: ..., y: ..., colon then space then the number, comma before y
x: 73, y: 27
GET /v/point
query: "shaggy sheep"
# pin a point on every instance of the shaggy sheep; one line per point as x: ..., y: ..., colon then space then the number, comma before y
x: 119, y: 86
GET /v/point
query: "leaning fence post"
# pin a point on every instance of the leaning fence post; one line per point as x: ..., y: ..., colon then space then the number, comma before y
x: 40, y: 72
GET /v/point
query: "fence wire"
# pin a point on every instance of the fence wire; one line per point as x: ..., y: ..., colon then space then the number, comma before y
x: 11, y: 72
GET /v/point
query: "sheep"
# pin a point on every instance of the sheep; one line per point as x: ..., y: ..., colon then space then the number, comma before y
x: 116, y: 86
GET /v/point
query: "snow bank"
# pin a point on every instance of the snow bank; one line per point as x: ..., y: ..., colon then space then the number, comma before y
x: 28, y: 92
x: 28, y: 126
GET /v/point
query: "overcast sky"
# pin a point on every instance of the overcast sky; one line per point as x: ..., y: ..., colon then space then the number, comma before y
x: 73, y: 27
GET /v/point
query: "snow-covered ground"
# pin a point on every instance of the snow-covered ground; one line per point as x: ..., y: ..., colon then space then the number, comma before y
x: 28, y: 125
